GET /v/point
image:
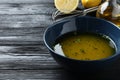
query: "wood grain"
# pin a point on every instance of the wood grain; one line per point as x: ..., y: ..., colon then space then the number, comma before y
x: 24, y: 50
x: 26, y: 1
x: 34, y: 75
x: 41, y: 62
x: 22, y: 24
x: 28, y: 9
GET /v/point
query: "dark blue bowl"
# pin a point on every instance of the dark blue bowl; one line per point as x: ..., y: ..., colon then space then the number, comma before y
x: 82, y: 24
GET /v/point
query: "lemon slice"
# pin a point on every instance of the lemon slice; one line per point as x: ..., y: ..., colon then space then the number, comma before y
x: 90, y: 3
x: 66, y: 6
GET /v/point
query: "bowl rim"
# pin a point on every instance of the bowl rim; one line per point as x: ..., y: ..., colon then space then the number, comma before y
x: 73, y: 17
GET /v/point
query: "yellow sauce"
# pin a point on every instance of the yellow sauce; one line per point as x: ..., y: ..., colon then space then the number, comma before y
x: 85, y: 46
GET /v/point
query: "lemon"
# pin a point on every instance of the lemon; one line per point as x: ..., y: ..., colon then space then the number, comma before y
x: 66, y: 6
x: 90, y: 3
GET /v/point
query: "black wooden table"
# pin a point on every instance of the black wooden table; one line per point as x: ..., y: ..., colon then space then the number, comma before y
x: 23, y: 55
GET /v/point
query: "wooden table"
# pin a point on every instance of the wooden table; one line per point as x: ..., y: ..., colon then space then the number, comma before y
x: 23, y: 55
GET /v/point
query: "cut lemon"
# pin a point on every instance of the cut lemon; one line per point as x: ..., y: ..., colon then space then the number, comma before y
x: 90, y: 3
x: 66, y: 6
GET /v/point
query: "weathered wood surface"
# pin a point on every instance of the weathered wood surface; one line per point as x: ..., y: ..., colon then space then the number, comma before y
x: 26, y: 1
x: 22, y: 24
x: 23, y: 55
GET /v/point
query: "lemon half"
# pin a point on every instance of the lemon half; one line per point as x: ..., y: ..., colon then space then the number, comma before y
x: 90, y: 3
x: 66, y: 6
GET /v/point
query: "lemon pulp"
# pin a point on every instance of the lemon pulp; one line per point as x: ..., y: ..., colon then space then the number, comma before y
x: 66, y: 6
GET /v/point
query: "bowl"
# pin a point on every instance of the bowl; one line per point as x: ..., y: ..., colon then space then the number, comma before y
x: 82, y: 24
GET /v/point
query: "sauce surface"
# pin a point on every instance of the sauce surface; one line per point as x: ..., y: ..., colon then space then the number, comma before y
x: 86, y: 46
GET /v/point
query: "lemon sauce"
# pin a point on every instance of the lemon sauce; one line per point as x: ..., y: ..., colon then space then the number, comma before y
x: 85, y: 46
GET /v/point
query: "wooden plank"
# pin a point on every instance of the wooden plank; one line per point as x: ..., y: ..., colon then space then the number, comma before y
x: 44, y: 61
x: 24, y: 21
x: 22, y: 41
x: 23, y: 29
x: 31, y: 34
x: 16, y: 35
x: 24, y: 50
x: 31, y: 74
x: 23, y: 25
x: 36, y: 31
x: 26, y: 1
x: 26, y: 9
x: 21, y: 36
